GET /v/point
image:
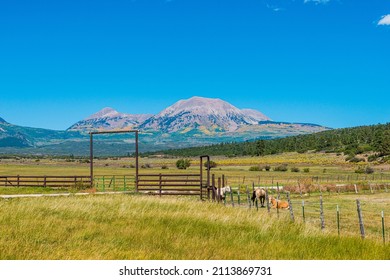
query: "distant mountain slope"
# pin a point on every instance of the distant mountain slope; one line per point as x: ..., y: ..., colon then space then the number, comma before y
x: 187, y: 123
x: 350, y: 141
x: 2, y: 121
x: 209, y: 114
x: 20, y: 136
x: 108, y: 119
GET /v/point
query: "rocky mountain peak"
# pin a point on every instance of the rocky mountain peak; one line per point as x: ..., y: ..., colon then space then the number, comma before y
x: 106, y: 112
x: 209, y: 114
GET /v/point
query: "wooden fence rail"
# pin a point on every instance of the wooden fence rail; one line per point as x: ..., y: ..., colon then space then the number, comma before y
x: 170, y: 184
x: 44, y: 181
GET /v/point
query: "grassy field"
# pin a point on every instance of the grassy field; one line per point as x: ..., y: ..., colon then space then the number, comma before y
x: 131, y: 226
x: 139, y: 227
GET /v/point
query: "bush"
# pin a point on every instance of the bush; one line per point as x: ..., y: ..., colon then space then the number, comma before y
x: 164, y: 167
x: 212, y: 164
x: 369, y: 170
x: 281, y: 168
x: 294, y: 169
x: 183, y: 163
x: 360, y: 170
x: 373, y: 157
x: 267, y: 168
x: 354, y: 159
x: 306, y: 170
x: 255, y: 168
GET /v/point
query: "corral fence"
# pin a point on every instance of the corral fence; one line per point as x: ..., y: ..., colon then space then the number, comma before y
x: 45, y: 181
x: 104, y: 183
x: 170, y: 184
x: 362, y: 213
x: 177, y: 184
x: 270, y: 179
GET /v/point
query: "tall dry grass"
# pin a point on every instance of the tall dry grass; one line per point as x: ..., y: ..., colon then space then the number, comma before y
x: 140, y: 227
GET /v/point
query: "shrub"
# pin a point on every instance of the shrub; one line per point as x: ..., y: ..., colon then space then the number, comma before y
x: 212, y: 164
x: 369, y: 170
x: 267, y: 168
x: 360, y: 170
x: 294, y: 169
x: 164, y: 167
x: 281, y: 168
x: 255, y: 168
x: 183, y: 163
x: 354, y: 159
x: 306, y: 170
x: 373, y: 157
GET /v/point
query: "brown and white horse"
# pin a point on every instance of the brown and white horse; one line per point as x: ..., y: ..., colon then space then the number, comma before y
x: 258, y: 194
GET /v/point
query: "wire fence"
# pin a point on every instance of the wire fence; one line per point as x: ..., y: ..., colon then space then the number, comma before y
x: 364, y: 214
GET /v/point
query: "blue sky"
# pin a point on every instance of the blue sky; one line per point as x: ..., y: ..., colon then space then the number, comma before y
x: 325, y: 62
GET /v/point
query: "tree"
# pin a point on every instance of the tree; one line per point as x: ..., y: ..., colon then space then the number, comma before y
x: 183, y: 163
x: 212, y: 164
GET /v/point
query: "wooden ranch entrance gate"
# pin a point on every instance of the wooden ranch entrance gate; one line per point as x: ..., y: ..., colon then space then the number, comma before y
x: 164, y: 184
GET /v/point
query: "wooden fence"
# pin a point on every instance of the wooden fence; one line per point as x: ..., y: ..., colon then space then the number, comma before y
x: 45, y: 181
x: 170, y: 184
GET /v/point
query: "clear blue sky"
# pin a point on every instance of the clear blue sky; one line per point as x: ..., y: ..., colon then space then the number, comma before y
x: 325, y: 62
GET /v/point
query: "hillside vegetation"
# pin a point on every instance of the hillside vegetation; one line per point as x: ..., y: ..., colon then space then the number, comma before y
x: 350, y: 141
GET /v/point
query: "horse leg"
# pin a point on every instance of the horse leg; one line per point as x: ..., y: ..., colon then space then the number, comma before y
x: 262, y: 199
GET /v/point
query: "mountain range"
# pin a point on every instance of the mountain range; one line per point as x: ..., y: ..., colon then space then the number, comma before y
x: 185, y: 115
x: 192, y: 122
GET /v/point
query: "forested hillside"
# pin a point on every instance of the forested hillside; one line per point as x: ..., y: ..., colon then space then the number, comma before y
x: 350, y: 141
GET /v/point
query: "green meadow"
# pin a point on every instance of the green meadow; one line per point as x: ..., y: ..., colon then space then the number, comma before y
x: 106, y: 227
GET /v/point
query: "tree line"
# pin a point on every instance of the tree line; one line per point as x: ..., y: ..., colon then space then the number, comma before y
x: 350, y: 141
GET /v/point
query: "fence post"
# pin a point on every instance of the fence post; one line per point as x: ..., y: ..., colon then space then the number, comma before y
x: 231, y: 197
x: 18, y: 181
x: 303, y: 210
x: 213, y: 187
x: 160, y: 184
x: 361, y: 225
x: 277, y: 186
x: 219, y: 190
x: 356, y: 190
x: 291, y: 208
x: 248, y: 197
x: 238, y: 196
x: 104, y: 184
x: 44, y: 181
x: 124, y: 183
x: 383, y: 227
x: 267, y: 200
x: 300, y: 190
x: 370, y: 187
x: 322, y: 213
x: 338, y: 219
